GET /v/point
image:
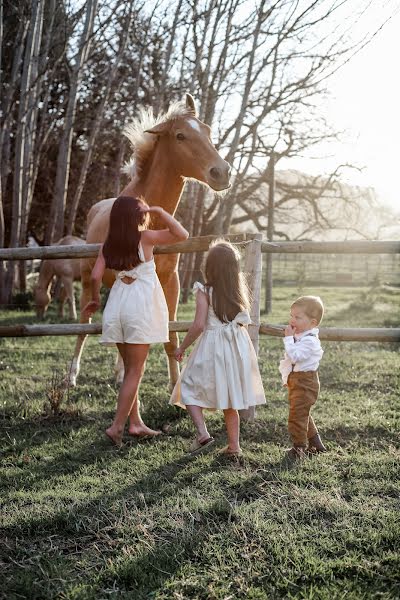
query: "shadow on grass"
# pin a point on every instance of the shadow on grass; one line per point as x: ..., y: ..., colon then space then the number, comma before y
x: 132, y: 563
x: 368, y: 435
x: 147, y: 566
x: 276, y: 432
x: 148, y: 489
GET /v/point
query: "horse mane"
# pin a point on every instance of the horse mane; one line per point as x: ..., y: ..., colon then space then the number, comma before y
x: 142, y: 142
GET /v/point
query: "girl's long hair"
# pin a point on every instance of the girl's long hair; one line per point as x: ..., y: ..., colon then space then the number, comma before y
x: 121, y: 248
x: 230, y: 294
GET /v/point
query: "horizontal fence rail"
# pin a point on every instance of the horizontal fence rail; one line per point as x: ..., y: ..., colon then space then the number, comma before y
x: 201, y: 244
x: 347, y: 247
x: 333, y: 334
x: 338, y: 334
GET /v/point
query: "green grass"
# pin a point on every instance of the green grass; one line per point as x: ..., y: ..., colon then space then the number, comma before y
x: 81, y: 520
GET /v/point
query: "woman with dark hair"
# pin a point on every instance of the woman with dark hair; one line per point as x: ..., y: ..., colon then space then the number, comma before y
x: 136, y: 313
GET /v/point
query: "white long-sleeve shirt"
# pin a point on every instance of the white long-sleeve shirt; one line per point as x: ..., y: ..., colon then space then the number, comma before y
x: 302, y: 353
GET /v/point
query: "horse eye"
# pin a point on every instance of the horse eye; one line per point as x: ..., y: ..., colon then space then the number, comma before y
x: 180, y: 136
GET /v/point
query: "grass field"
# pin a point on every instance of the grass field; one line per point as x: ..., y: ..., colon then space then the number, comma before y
x: 82, y: 520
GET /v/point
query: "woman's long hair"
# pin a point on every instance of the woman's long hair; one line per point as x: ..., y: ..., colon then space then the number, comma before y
x: 230, y: 294
x: 121, y: 248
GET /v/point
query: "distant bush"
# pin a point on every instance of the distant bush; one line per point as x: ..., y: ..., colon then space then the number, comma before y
x: 22, y: 301
x: 367, y: 299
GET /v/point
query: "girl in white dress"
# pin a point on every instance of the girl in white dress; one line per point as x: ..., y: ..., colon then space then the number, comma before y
x: 222, y: 370
x: 136, y: 313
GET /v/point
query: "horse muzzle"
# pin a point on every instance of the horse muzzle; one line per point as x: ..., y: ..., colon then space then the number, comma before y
x: 219, y: 178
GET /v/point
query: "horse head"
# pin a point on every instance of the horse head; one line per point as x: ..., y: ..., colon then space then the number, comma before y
x: 42, y: 301
x: 186, y: 144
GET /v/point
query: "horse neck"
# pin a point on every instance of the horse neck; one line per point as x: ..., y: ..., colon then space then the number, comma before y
x: 158, y: 183
x: 45, y: 276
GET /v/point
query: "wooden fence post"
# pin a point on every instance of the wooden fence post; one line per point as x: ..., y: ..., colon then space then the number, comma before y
x: 270, y: 232
x: 253, y: 271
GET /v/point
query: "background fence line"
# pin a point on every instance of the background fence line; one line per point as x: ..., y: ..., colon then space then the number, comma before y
x: 254, y: 247
x: 201, y: 244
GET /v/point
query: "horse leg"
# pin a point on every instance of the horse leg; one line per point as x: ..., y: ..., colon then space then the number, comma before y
x: 171, y: 292
x: 80, y: 340
x: 61, y: 301
x: 68, y: 286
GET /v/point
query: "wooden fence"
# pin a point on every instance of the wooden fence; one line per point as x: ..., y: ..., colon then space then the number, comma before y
x: 348, y: 270
x: 254, y: 246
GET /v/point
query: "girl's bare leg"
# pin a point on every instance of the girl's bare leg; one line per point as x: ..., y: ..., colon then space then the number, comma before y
x: 232, y: 423
x: 196, y: 414
x: 134, y: 357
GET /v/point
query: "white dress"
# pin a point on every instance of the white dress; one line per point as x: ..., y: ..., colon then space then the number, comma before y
x: 137, y: 312
x: 222, y: 370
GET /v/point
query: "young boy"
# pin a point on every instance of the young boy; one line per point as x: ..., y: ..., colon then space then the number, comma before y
x: 299, y: 370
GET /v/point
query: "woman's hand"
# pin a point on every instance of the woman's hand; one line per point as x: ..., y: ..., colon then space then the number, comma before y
x: 91, y: 308
x: 179, y: 354
x: 151, y: 209
x: 156, y: 209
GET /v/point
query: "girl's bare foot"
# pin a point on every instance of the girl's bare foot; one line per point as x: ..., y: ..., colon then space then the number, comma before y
x: 114, y: 436
x: 228, y: 451
x: 143, y: 431
x: 200, y: 443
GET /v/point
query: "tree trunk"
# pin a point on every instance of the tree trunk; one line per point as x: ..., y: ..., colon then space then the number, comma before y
x: 96, y: 125
x: 270, y: 233
x: 2, y: 231
x: 55, y: 228
x: 29, y: 154
x: 22, y: 139
x: 118, y: 168
x: 195, y: 224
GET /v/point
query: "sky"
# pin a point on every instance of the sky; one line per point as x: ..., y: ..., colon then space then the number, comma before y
x: 365, y: 104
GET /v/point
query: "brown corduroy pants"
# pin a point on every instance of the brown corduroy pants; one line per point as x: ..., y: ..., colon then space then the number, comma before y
x: 303, y: 389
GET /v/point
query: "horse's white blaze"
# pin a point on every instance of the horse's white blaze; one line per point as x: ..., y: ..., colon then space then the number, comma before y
x: 194, y: 125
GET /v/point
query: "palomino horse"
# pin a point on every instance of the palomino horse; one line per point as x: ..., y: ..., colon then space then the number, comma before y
x: 67, y: 270
x: 167, y: 150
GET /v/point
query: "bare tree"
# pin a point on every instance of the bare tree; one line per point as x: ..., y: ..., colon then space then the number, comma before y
x: 2, y: 229
x: 309, y: 207
x: 55, y: 229
x: 25, y: 136
x: 260, y: 70
x: 110, y: 79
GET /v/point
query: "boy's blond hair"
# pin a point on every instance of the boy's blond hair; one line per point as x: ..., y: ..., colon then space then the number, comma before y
x: 312, y: 307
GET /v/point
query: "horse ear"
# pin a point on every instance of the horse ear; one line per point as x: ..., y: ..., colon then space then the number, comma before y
x: 190, y: 104
x: 159, y: 129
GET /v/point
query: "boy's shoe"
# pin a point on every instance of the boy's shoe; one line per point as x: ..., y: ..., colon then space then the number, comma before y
x: 296, y: 453
x: 315, y: 444
x: 197, y: 447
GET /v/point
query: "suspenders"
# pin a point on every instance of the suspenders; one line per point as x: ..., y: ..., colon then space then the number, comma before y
x: 313, y: 335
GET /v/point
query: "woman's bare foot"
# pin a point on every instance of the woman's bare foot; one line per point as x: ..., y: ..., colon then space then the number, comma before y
x: 143, y: 431
x: 114, y: 436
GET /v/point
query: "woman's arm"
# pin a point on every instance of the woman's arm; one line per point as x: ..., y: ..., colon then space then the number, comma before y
x: 197, y: 327
x: 96, y: 278
x: 175, y: 232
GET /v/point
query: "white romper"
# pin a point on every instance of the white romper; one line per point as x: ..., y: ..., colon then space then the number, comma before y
x: 222, y: 370
x: 136, y: 312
